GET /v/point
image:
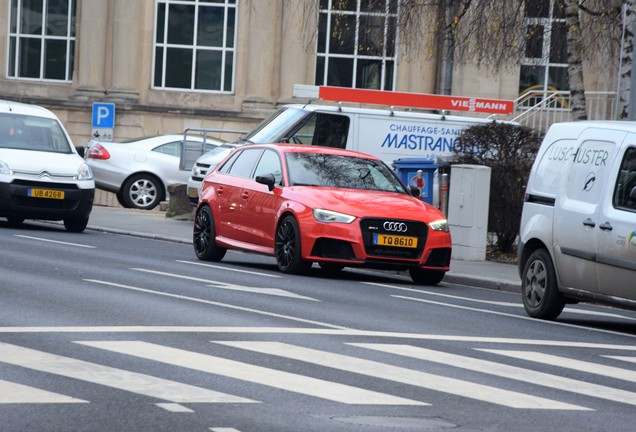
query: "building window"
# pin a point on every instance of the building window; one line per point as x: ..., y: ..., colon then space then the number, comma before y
x: 356, y: 43
x: 544, y: 64
x: 195, y: 45
x: 41, y: 39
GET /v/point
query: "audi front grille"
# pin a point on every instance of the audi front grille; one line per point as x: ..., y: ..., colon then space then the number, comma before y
x: 404, y: 228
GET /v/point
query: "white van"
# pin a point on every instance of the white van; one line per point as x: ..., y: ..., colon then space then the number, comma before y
x: 42, y: 176
x: 387, y: 134
x: 578, y: 226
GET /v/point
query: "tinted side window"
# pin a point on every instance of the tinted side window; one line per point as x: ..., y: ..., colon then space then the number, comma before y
x: 330, y: 130
x: 225, y: 168
x: 172, y: 149
x: 270, y: 163
x: 626, y: 182
x: 244, y: 163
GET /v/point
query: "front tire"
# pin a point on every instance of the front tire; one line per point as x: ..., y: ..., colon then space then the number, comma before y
x: 143, y: 191
x: 203, y: 236
x: 539, y: 290
x: 426, y: 277
x: 15, y: 222
x: 75, y: 225
x: 287, y: 248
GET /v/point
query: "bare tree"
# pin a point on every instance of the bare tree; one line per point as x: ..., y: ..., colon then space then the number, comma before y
x: 627, y: 52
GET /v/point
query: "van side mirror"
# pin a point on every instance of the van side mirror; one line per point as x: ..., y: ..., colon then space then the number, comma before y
x: 267, y: 179
x: 632, y: 194
x: 414, y: 191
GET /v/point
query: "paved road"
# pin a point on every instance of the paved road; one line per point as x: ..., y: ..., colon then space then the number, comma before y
x: 104, y: 332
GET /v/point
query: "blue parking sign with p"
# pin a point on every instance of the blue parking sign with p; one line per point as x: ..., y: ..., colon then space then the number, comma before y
x: 103, y: 115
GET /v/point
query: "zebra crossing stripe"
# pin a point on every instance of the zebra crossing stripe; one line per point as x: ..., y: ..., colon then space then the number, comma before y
x: 256, y: 374
x: 578, y: 365
x: 12, y: 393
x: 511, y: 372
x: 406, y: 376
x: 147, y: 385
x: 622, y: 358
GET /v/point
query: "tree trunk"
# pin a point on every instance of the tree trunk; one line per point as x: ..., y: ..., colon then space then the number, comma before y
x: 575, y: 60
x: 627, y: 51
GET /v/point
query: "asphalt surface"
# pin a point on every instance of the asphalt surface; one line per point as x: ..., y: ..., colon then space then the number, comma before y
x: 154, y: 224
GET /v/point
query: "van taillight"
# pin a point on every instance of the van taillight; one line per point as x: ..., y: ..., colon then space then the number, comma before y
x: 98, y: 152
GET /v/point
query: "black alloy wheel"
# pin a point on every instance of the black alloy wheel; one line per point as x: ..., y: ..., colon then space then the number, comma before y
x: 287, y: 248
x: 203, y: 236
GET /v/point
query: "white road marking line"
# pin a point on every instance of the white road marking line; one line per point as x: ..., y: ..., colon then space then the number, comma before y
x: 622, y: 358
x: 229, y: 268
x: 266, y: 291
x: 229, y: 286
x: 13, y: 393
x: 256, y: 374
x: 521, y: 317
x: 223, y: 429
x: 315, y: 331
x: 518, y: 305
x: 147, y: 385
x: 175, y: 408
x: 507, y: 371
x: 569, y: 363
x: 405, y: 376
x: 213, y: 303
x: 55, y: 241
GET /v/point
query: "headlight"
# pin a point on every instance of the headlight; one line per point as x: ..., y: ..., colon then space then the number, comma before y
x: 439, y: 225
x: 328, y: 216
x: 84, y: 172
x: 4, y: 168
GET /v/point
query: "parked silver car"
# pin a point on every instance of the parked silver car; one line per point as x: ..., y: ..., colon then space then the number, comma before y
x: 139, y: 171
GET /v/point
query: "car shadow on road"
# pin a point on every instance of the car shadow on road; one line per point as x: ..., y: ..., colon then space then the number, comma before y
x: 347, y: 274
x: 627, y: 326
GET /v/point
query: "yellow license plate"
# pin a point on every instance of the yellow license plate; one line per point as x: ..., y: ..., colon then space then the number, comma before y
x: 46, y: 193
x: 394, y: 240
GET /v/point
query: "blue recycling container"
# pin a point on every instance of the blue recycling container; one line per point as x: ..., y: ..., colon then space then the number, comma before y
x: 406, y: 169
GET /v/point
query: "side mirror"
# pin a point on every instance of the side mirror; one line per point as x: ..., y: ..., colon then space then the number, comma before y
x: 632, y: 194
x: 414, y: 191
x: 267, y: 179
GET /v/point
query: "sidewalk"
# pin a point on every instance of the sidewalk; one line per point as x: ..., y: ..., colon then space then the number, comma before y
x: 154, y: 224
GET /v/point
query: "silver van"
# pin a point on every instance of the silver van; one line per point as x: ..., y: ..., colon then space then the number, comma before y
x: 578, y: 226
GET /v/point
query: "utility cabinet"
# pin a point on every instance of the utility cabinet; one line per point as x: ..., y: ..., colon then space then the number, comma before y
x: 469, y: 196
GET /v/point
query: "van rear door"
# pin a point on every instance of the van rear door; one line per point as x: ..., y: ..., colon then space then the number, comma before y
x: 616, y: 245
x: 587, y: 164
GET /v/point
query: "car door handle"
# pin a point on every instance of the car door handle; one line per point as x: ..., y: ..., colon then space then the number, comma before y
x: 606, y: 226
x: 245, y: 195
x: 219, y: 191
x: 589, y: 223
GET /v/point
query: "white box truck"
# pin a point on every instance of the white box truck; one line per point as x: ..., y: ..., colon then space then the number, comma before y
x: 386, y: 133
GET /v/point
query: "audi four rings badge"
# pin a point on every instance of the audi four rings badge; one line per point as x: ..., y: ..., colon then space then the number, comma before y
x: 395, y: 226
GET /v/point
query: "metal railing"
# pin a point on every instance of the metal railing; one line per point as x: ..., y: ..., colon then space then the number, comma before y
x: 539, y: 109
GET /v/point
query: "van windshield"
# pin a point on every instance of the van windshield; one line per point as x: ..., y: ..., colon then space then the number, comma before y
x: 273, y: 129
x: 32, y: 133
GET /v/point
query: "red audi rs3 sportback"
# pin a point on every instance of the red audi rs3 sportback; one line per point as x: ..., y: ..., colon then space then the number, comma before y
x: 308, y: 204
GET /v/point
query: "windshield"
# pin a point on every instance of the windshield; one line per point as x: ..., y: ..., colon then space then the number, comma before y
x: 313, y: 169
x: 273, y: 129
x: 32, y: 133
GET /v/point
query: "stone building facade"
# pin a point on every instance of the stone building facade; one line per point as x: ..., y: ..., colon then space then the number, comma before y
x: 168, y: 65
